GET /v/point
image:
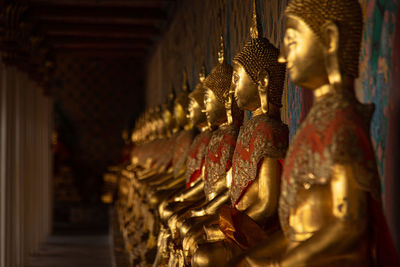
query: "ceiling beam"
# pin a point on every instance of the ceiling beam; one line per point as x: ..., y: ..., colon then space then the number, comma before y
x: 110, y: 46
x: 123, y: 55
x: 97, y: 40
x: 97, y: 30
x: 101, y: 3
x: 100, y: 20
x: 96, y: 14
x: 139, y: 55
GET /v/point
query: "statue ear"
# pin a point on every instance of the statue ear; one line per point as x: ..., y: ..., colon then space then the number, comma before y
x: 263, y: 82
x: 331, y: 40
x: 330, y: 36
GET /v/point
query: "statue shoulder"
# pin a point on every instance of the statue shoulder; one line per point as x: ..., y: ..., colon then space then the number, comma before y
x: 267, y: 135
x: 334, y: 134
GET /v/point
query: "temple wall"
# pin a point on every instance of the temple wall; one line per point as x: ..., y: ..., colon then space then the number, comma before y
x: 192, y: 40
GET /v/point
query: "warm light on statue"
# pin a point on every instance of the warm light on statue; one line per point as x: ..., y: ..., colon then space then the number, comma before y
x: 330, y: 207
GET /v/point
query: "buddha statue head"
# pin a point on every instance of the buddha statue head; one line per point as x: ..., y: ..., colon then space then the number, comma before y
x: 258, y: 78
x: 125, y: 135
x: 142, y: 128
x: 234, y: 114
x: 196, y: 103
x: 135, y: 136
x: 322, y: 42
x: 168, y: 113
x: 217, y: 85
x: 145, y: 126
x: 181, y: 106
x: 152, y: 120
x: 159, y: 123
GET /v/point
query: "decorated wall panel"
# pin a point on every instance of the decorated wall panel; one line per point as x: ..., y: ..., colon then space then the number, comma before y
x: 94, y: 101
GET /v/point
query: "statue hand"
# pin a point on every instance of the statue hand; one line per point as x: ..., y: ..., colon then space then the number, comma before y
x: 198, y: 212
x: 179, y: 198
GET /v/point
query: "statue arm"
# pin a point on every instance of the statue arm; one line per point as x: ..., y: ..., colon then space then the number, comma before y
x: 148, y: 176
x: 259, y: 255
x: 145, y: 172
x: 157, y: 179
x: 196, y: 189
x: 349, y: 223
x: 212, y: 206
x: 170, y: 183
x: 268, y: 191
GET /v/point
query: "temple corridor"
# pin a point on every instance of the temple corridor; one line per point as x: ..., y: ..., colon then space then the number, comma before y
x: 198, y: 133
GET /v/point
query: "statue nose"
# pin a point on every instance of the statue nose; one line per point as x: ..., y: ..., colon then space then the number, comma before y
x: 282, y: 55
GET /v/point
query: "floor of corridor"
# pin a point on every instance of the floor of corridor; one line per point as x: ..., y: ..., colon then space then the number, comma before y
x: 74, y: 250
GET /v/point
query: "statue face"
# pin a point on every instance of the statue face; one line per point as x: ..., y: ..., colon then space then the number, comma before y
x: 228, y: 106
x: 246, y: 93
x: 304, y: 54
x: 180, y: 114
x: 195, y: 113
x: 160, y: 127
x: 125, y: 135
x: 167, y: 117
x: 263, y: 91
x: 215, y: 110
x: 153, y: 126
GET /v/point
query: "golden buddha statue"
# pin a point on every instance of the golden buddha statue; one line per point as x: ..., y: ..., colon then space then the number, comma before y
x: 183, y: 139
x: 218, y: 108
x: 257, y: 81
x: 171, y: 174
x: 141, y: 229
x: 156, y: 157
x: 193, y: 193
x: 142, y: 150
x: 150, y: 133
x: 137, y: 154
x: 195, y: 158
x: 330, y: 206
x: 155, y: 188
x: 219, y: 177
x: 127, y: 210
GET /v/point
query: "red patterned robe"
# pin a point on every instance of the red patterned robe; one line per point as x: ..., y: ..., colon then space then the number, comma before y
x: 195, y: 158
x: 336, y: 131
x: 162, y: 152
x: 262, y: 136
x: 219, y: 156
x: 182, y: 146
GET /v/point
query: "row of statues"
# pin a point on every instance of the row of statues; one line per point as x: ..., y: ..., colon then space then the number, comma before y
x: 204, y: 187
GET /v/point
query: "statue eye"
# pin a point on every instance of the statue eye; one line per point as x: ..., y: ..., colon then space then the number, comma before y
x: 235, y: 78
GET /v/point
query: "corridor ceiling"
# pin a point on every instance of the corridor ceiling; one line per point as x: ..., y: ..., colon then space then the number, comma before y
x: 90, y: 57
x: 101, y: 28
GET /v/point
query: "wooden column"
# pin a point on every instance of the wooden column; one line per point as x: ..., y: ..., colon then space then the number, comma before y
x: 20, y: 170
x: 25, y: 167
x: 3, y: 124
x: 9, y: 191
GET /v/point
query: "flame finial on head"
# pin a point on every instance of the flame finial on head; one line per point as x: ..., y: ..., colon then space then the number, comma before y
x: 202, y: 74
x: 198, y: 92
x: 221, y: 52
x: 255, y: 27
x: 171, y: 95
x: 185, y: 84
x: 260, y: 56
